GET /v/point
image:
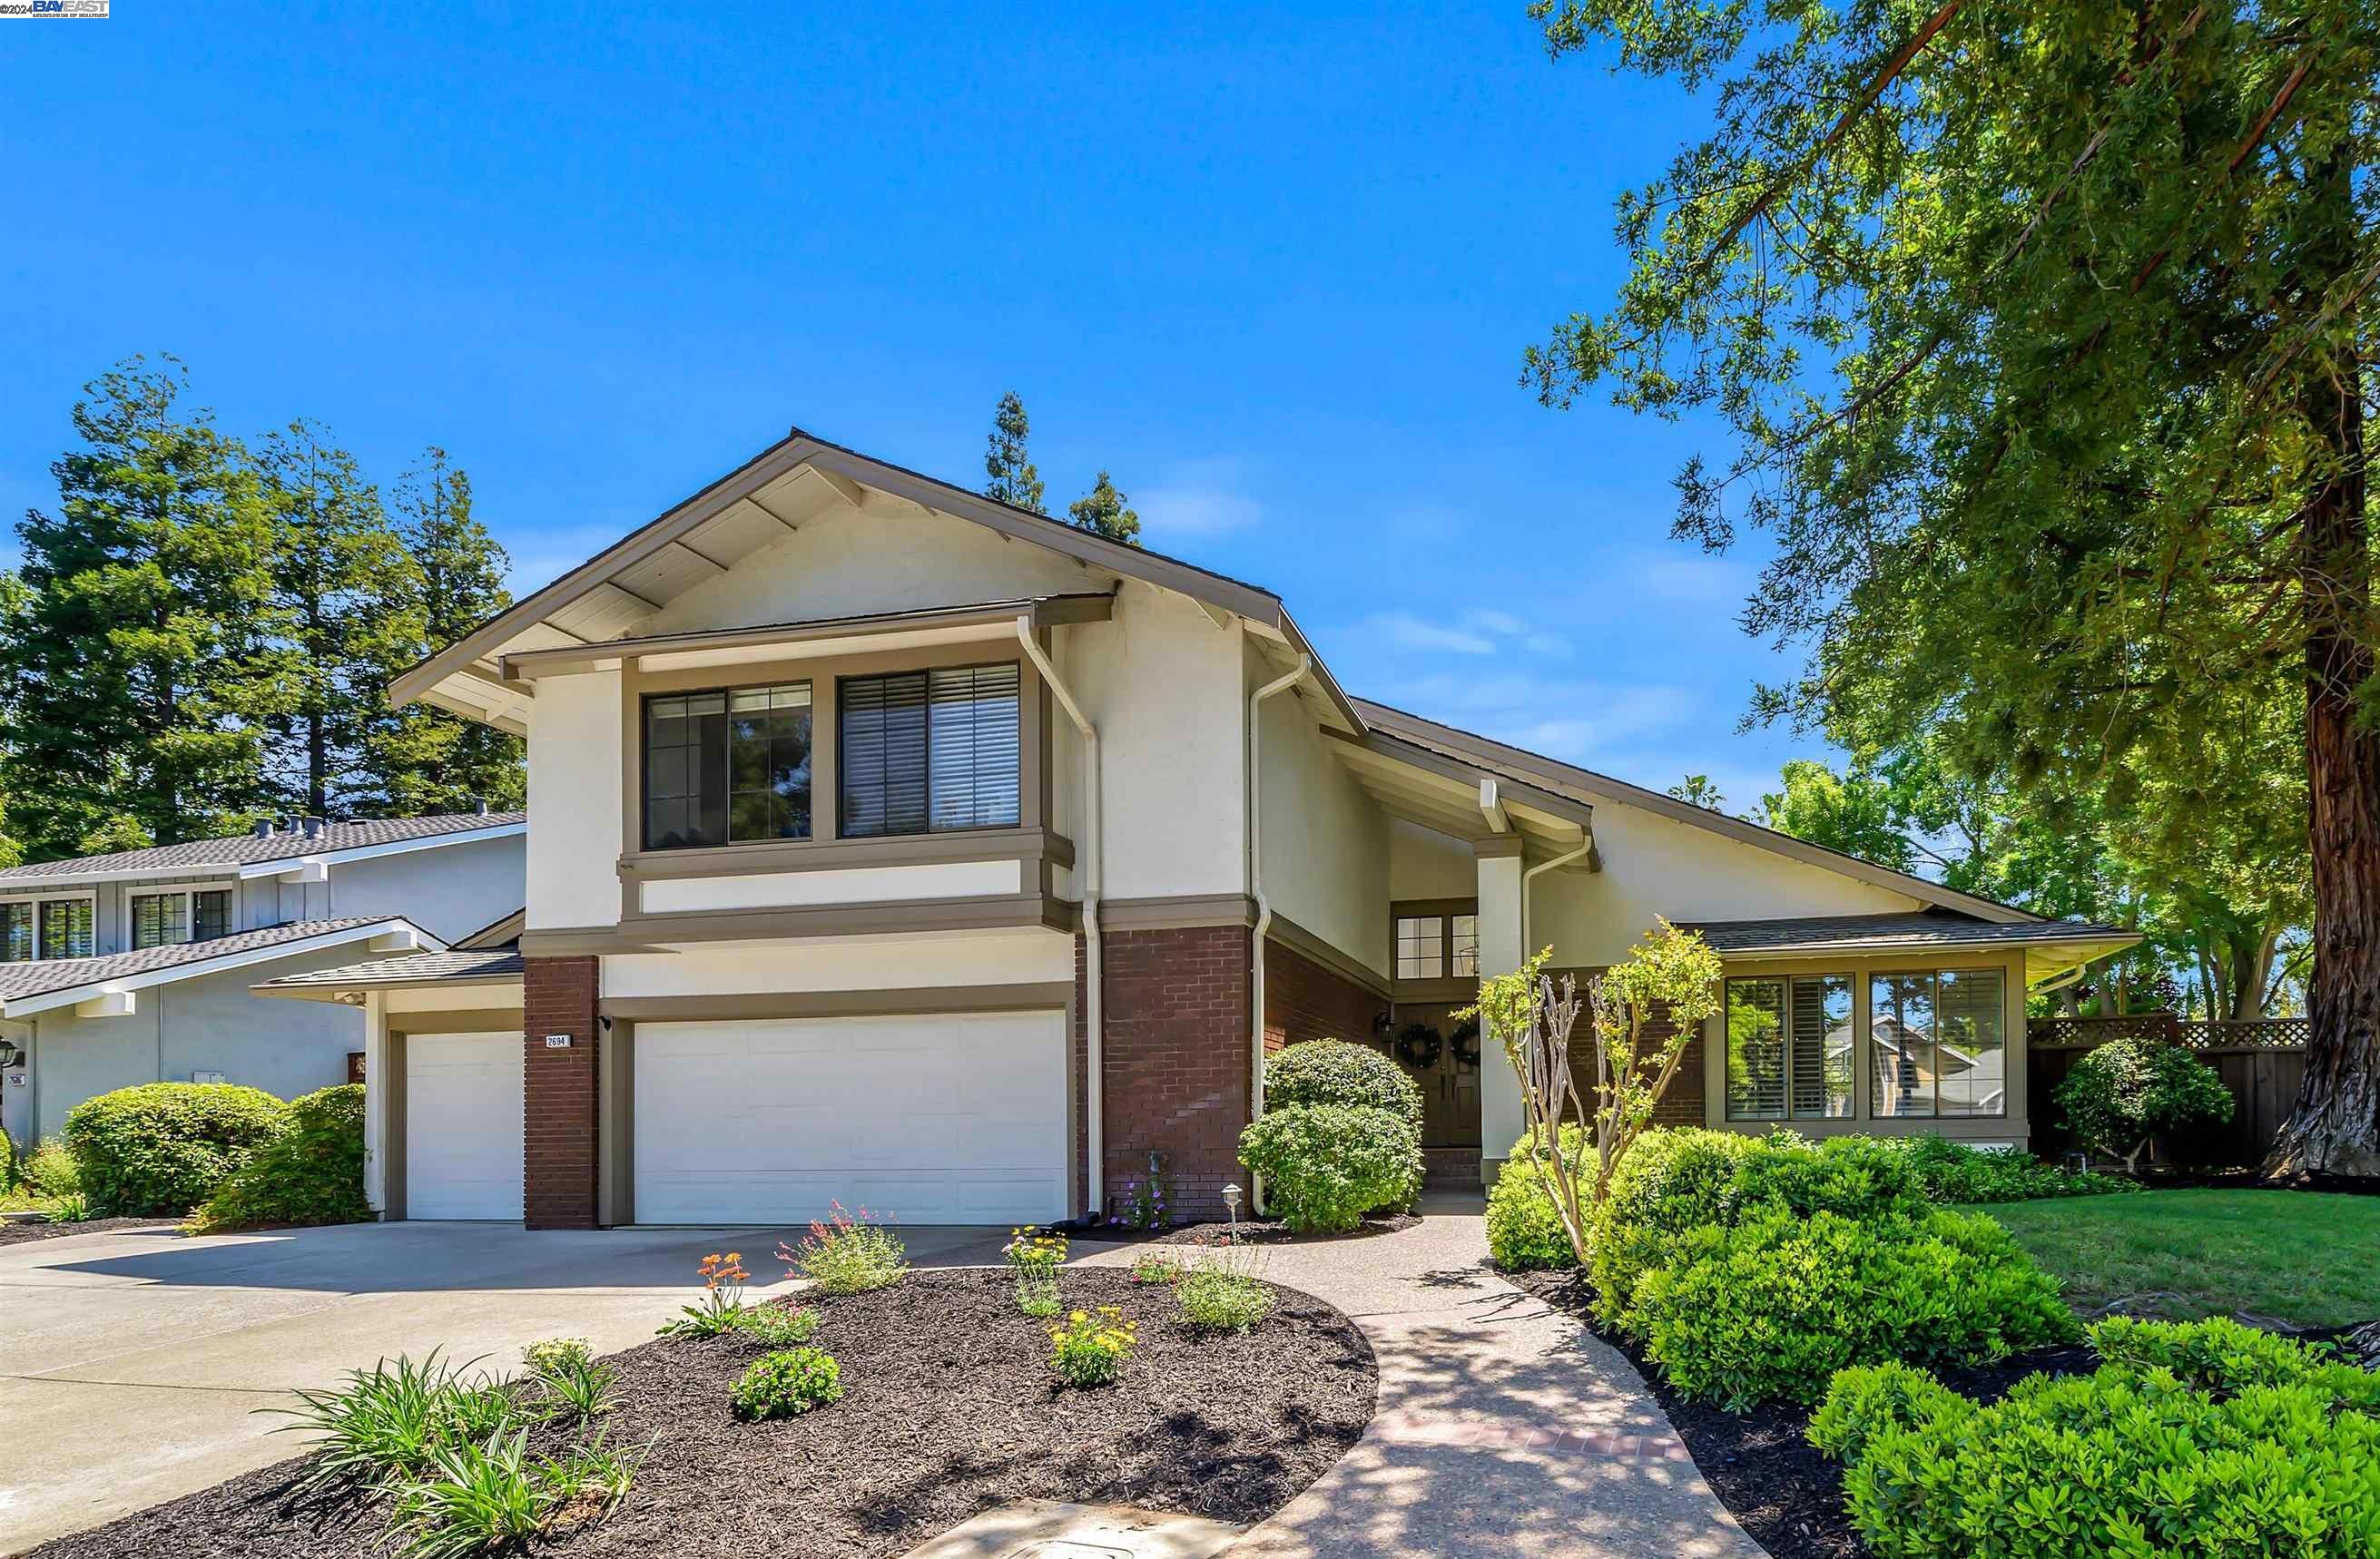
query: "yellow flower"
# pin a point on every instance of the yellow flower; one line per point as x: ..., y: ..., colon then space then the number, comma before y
x: 1078, y: 1317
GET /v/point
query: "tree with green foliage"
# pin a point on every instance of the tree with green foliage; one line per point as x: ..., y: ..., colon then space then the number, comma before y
x: 1855, y: 812
x: 1696, y: 790
x: 336, y: 565
x: 144, y: 659
x: 1104, y: 512
x: 2127, y: 1091
x: 2040, y: 340
x: 448, y: 579
x: 1014, y: 479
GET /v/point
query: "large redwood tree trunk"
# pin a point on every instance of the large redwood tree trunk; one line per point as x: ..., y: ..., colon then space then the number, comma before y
x: 2335, y: 1127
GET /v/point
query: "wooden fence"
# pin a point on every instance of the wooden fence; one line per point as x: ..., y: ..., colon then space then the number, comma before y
x: 2263, y: 1063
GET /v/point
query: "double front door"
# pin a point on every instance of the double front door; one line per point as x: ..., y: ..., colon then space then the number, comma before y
x: 1443, y: 1056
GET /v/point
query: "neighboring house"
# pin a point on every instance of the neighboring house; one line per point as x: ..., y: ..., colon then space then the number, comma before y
x: 136, y: 966
x: 899, y: 848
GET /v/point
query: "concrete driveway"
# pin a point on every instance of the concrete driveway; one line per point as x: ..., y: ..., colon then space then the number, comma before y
x: 132, y: 1361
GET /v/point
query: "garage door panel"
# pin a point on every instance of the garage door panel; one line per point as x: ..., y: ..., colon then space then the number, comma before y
x: 929, y: 1119
x: 463, y: 1125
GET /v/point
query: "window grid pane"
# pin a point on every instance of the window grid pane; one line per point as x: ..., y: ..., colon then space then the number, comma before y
x: 160, y: 920
x: 769, y: 763
x: 882, y: 755
x: 1756, y: 1049
x: 1970, y: 1031
x: 211, y: 914
x: 1421, y: 947
x: 1900, y: 1045
x: 15, y: 933
x: 65, y: 928
x: 972, y: 757
x: 1822, y: 1047
x: 1462, y: 939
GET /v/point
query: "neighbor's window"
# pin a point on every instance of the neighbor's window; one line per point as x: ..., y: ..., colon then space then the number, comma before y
x: 922, y: 752
x: 1421, y: 947
x: 66, y: 928
x: 1789, y: 1047
x: 726, y: 767
x: 161, y: 920
x: 1938, y: 1042
x: 15, y: 933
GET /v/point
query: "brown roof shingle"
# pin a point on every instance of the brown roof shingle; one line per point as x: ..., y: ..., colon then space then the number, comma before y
x: 247, y: 850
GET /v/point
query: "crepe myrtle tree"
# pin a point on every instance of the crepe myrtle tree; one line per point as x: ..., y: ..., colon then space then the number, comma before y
x: 1672, y: 974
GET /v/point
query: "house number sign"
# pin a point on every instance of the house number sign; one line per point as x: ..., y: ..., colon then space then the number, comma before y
x: 557, y: 1042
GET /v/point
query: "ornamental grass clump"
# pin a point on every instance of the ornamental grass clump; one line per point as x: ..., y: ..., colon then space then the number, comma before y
x: 844, y: 1255
x: 2205, y: 1439
x: 1091, y: 1348
x: 787, y: 1385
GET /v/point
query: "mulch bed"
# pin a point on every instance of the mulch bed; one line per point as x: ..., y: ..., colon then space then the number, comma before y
x: 1761, y: 1463
x: 949, y: 1408
x: 20, y: 1231
x: 1250, y: 1231
x: 2158, y: 1177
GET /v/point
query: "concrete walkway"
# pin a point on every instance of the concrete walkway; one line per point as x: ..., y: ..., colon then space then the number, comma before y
x: 1503, y: 1428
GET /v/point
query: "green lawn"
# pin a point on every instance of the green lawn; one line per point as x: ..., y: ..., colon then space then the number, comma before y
x: 2295, y: 1256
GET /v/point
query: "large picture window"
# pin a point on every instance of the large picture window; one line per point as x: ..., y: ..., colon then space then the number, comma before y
x: 1789, y: 1047
x: 1938, y: 1043
x: 727, y: 767
x: 928, y: 751
x: 45, y: 928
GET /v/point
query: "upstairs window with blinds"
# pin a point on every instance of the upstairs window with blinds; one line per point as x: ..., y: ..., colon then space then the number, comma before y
x: 1789, y: 1049
x: 928, y: 751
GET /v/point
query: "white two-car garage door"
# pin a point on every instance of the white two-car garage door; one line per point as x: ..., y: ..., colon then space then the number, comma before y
x: 463, y: 1125
x: 948, y: 1119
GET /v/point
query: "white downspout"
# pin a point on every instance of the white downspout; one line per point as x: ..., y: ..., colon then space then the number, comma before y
x: 1529, y: 880
x: 1256, y: 890
x: 1094, y: 1007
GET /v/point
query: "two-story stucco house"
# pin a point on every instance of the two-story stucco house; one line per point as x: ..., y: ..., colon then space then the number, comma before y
x: 136, y: 966
x: 895, y: 847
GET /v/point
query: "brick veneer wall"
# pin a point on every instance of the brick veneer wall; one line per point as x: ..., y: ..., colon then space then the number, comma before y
x: 1305, y: 1000
x: 559, y: 1102
x: 1176, y: 1059
x: 1681, y: 1105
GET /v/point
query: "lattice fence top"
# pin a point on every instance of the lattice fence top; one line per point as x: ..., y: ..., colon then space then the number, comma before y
x: 2256, y: 1034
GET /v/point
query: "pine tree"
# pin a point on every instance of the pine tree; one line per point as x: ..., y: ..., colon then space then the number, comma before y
x: 1103, y: 512
x: 420, y: 759
x: 1014, y: 479
x: 334, y: 569
x: 141, y: 663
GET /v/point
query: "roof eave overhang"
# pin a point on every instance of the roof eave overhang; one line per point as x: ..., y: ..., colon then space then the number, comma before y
x: 2044, y: 958
x: 340, y: 992
x: 35, y: 1002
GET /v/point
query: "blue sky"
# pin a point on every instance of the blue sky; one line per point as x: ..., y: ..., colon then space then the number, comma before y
x: 1274, y: 269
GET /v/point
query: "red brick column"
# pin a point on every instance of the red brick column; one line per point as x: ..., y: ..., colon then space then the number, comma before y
x: 1176, y: 1059
x: 559, y: 1108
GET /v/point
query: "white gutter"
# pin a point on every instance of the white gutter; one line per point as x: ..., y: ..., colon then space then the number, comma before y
x: 1087, y: 875
x: 1529, y: 880
x: 1256, y: 890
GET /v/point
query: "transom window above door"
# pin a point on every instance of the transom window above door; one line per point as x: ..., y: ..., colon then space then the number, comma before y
x: 727, y: 767
x: 1437, y: 946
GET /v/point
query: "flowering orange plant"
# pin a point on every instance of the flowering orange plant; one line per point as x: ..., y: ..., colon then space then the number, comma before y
x: 723, y: 1306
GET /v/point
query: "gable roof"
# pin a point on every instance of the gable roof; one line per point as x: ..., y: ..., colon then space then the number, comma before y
x: 207, y: 856
x: 751, y: 507
x: 1589, y: 786
x: 26, y: 989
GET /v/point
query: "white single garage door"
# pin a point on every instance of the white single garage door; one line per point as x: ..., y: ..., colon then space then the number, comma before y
x: 931, y: 1119
x: 463, y: 1125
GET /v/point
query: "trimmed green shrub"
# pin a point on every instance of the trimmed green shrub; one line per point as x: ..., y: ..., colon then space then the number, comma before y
x: 787, y: 1385
x: 1325, y: 1165
x: 2127, y: 1091
x: 2202, y: 1439
x: 1331, y: 1071
x: 1525, y: 1231
x: 313, y: 1173
x: 7, y: 1163
x: 1953, y: 1173
x: 1773, y: 1306
x: 162, y: 1148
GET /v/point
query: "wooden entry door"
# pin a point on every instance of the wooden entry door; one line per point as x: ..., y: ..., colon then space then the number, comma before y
x: 1449, y: 1081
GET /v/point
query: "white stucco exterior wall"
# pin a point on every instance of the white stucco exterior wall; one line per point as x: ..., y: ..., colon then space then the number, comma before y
x: 1654, y: 866
x: 1326, y: 843
x: 1425, y: 863
x: 845, y: 563
x: 575, y: 803
x: 1025, y: 956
